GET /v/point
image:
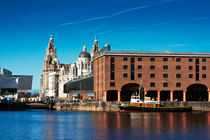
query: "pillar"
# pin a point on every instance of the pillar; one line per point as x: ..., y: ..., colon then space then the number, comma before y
x: 158, y: 96
x: 209, y: 95
x: 171, y: 96
x: 105, y: 96
x: 184, y: 96
x: 119, y: 96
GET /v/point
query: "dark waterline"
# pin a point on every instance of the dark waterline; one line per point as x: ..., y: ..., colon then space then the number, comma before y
x: 53, y: 125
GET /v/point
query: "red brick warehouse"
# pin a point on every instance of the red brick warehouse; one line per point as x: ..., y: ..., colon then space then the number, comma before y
x: 164, y: 76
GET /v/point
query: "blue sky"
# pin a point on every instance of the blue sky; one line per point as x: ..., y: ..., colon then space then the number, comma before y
x: 127, y: 25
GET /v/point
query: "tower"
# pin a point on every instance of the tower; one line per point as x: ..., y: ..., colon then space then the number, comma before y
x: 51, y: 64
x: 95, y: 50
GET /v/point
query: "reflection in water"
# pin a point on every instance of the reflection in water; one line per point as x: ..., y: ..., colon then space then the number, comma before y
x: 53, y: 125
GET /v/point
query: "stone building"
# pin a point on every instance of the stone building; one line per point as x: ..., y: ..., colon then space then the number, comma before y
x: 55, y: 74
x: 163, y: 76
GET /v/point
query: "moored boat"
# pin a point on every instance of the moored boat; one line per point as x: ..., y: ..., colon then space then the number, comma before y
x: 136, y: 104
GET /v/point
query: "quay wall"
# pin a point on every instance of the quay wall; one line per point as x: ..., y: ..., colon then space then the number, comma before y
x: 113, y: 106
x: 90, y: 106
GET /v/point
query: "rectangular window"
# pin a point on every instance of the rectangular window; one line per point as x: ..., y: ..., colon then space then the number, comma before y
x: 190, y: 67
x: 112, y: 59
x: 178, y: 59
x: 112, y: 75
x: 152, y: 75
x: 204, y: 68
x: 112, y: 67
x: 139, y: 67
x: 132, y: 76
x: 197, y: 61
x: 152, y: 84
x: 132, y: 67
x: 152, y: 67
x: 125, y: 75
x: 165, y: 84
x: 178, y: 67
x: 125, y: 67
x: 112, y: 84
x: 190, y: 59
x: 152, y: 59
x: 132, y: 60
x: 178, y: 75
x: 178, y: 84
x: 125, y: 59
x: 203, y: 60
x: 197, y: 76
x: 204, y: 76
x: 139, y: 75
x: 190, y: 76
x: 165, y: 59
x: 197, y: 68
x: 139, y: 59
x: 165, y: 67
x: 165, y: 75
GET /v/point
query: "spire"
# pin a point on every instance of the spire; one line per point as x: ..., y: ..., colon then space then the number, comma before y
x: 51, y: 38
x: 84, y: 48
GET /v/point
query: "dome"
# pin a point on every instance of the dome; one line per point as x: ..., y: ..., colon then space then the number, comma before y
x: 84, y: 55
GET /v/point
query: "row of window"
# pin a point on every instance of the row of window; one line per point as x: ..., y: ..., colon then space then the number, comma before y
x: 164, y: 67
x: 152, y: 84
x: 165, y: 75
x: 152, y: 59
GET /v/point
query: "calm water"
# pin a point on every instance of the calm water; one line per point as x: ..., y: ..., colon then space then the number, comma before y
x: 53, y: 125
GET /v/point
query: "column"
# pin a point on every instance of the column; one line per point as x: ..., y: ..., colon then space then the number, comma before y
x: 105, y: 96
x: 172, y: 96
x: 209, y: 95
x: 119, y: 96
x: 158, y: 96
x: 184, y: 96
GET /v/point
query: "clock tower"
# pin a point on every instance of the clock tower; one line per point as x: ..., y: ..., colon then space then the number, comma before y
x: 51, y: 64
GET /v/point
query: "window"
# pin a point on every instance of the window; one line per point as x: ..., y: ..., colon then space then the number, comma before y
x: 132, y: 67
x: 112, y: 75
x: 139, y: 75
x: 197, y: 68
x: 112, y: 59
x: 165, y: 84
x: 203, y: 60
x: 152, y: 75
x: 197, y: 61
x: 178, y: 60
x: 139, y: 67
x: 132, y: 60
x: 178, y: 75
x: 190, y: 76
x: 165, y: 67
x: 165, y: 59
x: 178, y: 67
x: 132, y: 76
x: 152, y: 59
x: 112, y: 67
x: 125, y: 75
x: 197, y: 76
x: 125, y: 67
x: 204, y: 68
x: 178, y: 84
x: 165, y: 75
x: 190, y: 67
x: 152, y: 84
x: 125, y: 59
x: 204, y: 76
x: 152, y: 67
x: 139, y: 59
x: 112, y: 84
x: 190, y: 59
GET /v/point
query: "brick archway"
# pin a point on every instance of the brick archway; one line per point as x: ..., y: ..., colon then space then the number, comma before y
x: 197, y: 92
